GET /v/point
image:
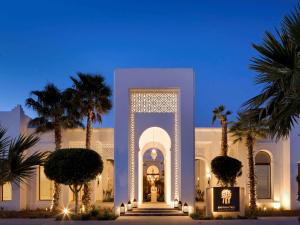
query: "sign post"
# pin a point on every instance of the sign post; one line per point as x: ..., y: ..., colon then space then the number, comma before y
x: 225, y: 201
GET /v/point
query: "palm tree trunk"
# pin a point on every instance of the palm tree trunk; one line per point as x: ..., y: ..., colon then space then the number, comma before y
x: 224, y: 145
x: 86, y: 190
x: 57, y: 136
x: 250, y: 143
x: 56, y: 193
x: 88, y: 131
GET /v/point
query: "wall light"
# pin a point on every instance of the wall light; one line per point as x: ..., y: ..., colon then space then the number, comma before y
x: 276, y: 205
x: 208, y: 176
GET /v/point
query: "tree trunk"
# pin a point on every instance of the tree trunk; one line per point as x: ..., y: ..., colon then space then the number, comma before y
x: 250, y: 143
x: 57, y: 136
x: 224, y: 145
x: 86, y: 190
x: 75, y: 189
x: 88, y: 130
x: 56, y: 193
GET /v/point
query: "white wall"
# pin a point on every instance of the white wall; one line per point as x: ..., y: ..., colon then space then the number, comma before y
x: 207, y: 146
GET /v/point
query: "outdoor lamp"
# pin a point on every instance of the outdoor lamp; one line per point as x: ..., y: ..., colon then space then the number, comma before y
x: 66, y: 211
x: 176, y: 203
x: 129, y: 206
x: 180, y: 205
x: 134, y: 203
x: 122, y: 208
x: 185, y: 208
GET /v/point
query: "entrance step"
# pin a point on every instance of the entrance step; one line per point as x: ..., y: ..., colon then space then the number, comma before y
x: 154, y: 212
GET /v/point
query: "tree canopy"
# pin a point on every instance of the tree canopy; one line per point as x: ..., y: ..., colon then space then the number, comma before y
x: 73, y: 166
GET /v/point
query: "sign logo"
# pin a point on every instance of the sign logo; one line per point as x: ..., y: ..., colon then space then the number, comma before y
x: 226, y: 196
x: 226, y: 199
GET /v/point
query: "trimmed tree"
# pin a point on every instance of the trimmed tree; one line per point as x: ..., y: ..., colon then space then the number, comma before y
x: 73, y: 167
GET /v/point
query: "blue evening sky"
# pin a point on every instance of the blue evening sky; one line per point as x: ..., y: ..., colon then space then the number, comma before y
x: 48, y: 41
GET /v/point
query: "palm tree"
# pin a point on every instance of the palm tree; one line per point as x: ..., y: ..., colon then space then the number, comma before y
x: 54, y: 114
x: 248, y: 130
x: 16, y: 166
x: 219, y: 113
x: 278, y: 71
x: 93, y: 99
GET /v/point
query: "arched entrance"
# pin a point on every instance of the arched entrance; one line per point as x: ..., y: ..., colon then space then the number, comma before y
x: 155, y: 140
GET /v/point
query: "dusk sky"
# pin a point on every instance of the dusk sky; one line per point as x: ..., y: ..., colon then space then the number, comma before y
x: 48, y: 41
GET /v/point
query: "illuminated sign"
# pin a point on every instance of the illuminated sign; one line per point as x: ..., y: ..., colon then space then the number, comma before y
x: 226, y: 199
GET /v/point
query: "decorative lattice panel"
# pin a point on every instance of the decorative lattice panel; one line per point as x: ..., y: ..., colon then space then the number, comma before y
x: 152, y: 101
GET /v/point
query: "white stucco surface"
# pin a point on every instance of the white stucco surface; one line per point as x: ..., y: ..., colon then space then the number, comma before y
x: 195, y: 143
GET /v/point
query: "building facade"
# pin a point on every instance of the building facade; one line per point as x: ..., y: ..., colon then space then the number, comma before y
x: 154, y: 128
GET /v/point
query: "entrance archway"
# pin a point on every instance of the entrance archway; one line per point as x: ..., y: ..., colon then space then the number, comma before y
x: 158, y: 139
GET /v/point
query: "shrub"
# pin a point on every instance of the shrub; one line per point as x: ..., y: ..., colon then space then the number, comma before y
x: 107, y: 215
x: 94, y: 212
x: 73, y: 167
x: 226, y: 169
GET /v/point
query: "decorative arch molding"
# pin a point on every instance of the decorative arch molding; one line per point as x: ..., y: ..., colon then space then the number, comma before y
x: 266, y: 151
x: 155, y: 135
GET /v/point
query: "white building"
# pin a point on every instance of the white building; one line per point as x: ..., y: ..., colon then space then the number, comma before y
x: 154, y: 109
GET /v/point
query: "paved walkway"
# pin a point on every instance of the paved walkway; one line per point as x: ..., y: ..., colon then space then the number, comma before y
x: 153, y: 220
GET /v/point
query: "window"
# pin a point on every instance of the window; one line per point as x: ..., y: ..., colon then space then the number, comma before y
x: 6, y: 192
x: 263, y: 175
x: 45, y: 186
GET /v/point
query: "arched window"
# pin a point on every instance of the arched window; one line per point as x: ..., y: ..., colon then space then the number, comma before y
x: 263, y: 175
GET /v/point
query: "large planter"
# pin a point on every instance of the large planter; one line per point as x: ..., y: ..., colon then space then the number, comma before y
x: 225, y: 201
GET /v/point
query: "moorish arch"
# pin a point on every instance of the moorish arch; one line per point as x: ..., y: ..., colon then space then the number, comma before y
x: 155, y: 138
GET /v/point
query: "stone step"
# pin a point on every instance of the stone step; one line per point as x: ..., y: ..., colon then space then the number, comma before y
x: 154, y: 212
x: 155, y: 209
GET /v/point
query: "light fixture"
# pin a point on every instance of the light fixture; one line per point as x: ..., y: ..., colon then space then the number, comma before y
x: 153, y: 154
x: 265, y: 208
x: 129, y: 206
x: 276, y: 205
x: 122, y: 208
x: 153, y: 151
x: 180, y: 205
x: 66, y: 211
x: 134, y: 203
x: 176, y: 203
x: 185, y: 208
x: 208, y: 176
x: 82, y: 209
x: 99, y: 177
